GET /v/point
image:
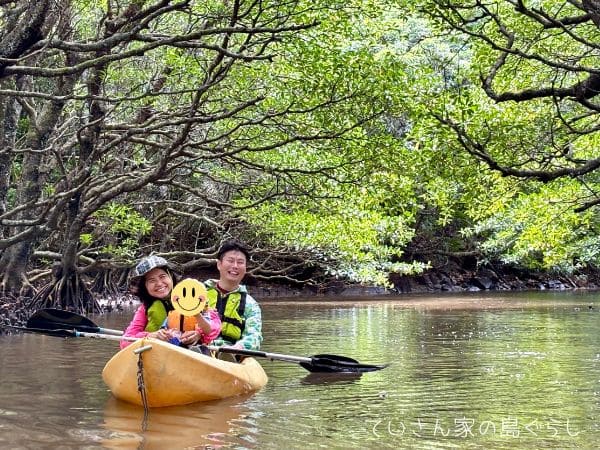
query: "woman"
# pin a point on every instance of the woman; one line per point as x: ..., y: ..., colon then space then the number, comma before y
x: 152, y: 282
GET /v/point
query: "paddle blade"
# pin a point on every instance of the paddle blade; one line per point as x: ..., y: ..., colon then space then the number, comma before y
x: 339, y: 364
x: 54, y: 319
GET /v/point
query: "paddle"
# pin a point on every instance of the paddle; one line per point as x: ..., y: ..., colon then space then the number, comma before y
x: 316, y: 363
x: 53, y: 319
x: 63, y: 332
x: 57, y: 322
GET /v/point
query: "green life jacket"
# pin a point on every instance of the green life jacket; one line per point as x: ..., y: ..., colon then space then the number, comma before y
x: 231, y: 311
x: 156, y: 314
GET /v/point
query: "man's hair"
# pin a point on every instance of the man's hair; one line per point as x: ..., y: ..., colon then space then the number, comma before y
x: 233, y: 245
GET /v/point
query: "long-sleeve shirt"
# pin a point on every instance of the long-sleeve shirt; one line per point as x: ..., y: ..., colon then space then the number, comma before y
x: 212, y: 316
x: 252, y: 334
x: 137, y: 326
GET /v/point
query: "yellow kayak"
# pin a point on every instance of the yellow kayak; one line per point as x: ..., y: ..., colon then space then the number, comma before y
x: 176, y: 376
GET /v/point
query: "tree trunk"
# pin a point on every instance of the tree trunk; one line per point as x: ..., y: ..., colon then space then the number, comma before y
x: 29, y: 191
x: 9, y: 116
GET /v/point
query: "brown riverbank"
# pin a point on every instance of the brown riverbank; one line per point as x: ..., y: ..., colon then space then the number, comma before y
x: 451, y: 280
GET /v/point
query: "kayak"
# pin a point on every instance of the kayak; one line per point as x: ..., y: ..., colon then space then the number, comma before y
x: 172, y: 375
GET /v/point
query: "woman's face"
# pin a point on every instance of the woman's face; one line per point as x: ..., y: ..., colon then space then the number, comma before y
x: 158, y: 283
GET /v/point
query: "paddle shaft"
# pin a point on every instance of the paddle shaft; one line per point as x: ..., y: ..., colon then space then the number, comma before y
x: 108, y: 331
x: 63, y: 332
x: 110, y: 337
x: 271, y: 356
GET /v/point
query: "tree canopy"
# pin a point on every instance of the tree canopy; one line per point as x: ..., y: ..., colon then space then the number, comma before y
x: 338, y: 139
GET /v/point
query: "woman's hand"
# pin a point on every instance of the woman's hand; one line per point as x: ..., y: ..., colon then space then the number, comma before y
x: 189, y: 337
x: 161, y: 335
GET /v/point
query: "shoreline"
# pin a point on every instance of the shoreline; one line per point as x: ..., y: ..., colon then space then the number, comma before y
x: 449, y: 301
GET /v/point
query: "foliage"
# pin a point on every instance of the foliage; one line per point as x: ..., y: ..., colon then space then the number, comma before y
x: 511, y: 94
x: 540, y: 230
x: 340, y: 206
x: 363, y: 138
x: 117, y: 231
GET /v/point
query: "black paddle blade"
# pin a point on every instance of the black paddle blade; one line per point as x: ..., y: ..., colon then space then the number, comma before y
x: 54, y: 319
x: 337, y: 364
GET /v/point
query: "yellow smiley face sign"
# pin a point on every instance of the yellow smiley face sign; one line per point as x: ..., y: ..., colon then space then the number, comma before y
x: 189, y: 297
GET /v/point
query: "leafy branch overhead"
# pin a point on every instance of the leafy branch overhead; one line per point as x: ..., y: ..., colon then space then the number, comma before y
x: 541, y: 59
x: 339, y: 139
x: 167, y: 107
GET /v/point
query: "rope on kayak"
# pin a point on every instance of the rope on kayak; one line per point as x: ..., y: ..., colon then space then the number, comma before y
x: 141, y: 385
x: 142, y: 390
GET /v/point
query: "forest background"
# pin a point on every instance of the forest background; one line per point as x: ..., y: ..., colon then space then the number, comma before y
x: 355, y: 141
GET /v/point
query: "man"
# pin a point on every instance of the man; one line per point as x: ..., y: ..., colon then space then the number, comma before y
x: 241, y: 318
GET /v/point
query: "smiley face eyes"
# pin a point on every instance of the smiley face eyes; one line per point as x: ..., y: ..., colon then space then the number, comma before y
x: 184, y: 292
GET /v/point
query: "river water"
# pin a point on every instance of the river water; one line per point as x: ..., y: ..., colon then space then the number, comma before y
x: 498, y: 371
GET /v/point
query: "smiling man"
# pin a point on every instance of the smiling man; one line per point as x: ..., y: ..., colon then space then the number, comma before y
x: 241, y: 318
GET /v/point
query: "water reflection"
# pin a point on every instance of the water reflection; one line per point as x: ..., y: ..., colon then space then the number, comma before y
x: 200, y: 424
x: 501, y: 372
x: 331, y: 378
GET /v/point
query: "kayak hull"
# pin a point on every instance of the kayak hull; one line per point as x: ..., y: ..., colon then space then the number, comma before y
x: 173, y: 375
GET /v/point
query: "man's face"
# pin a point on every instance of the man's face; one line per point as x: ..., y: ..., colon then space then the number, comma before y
x: 232, y: 267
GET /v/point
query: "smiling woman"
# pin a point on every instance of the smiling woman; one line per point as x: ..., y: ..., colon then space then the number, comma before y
x: 152, y: 281
x: 170, y: 311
